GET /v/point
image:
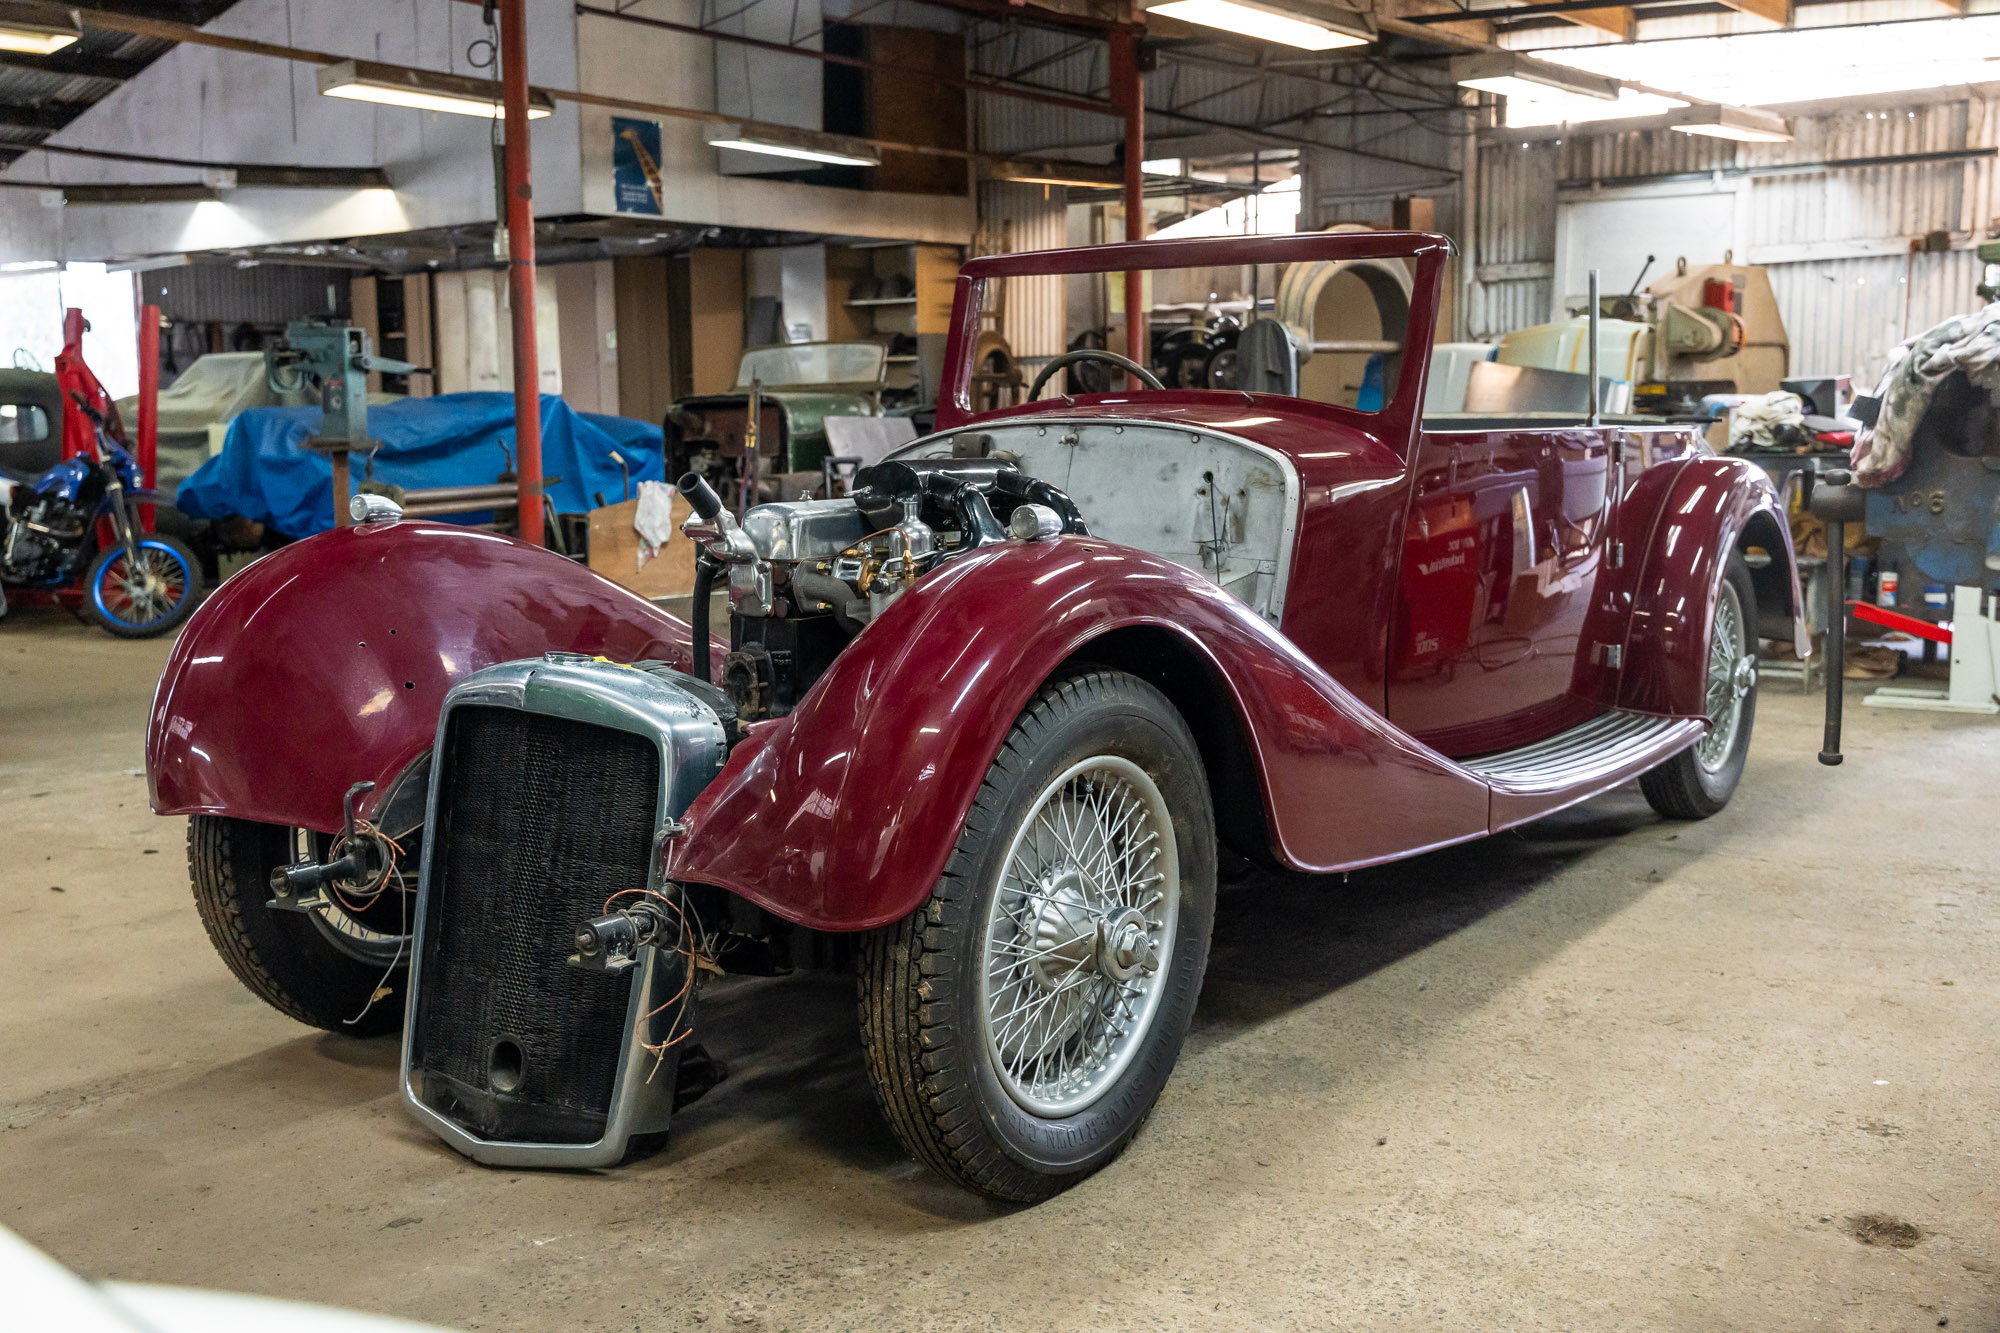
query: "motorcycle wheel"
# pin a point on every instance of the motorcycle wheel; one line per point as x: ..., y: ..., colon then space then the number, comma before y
x: 144, y: 600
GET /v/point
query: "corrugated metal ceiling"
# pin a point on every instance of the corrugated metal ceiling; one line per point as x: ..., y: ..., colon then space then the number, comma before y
x: 41, y: 94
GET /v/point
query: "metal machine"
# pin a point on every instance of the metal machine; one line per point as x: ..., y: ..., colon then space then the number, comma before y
x: 1945, y: 509
x: 1712, y: 328
x: 336, y: 359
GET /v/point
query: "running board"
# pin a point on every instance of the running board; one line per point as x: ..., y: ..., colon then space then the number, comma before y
x: 1578, y: 763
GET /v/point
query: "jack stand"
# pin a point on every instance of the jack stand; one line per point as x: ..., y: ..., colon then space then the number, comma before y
x: 336, y: 360
x: 1975, y: 665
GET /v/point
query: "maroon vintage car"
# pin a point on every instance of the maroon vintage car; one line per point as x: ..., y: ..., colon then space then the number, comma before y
x: 982, y: 729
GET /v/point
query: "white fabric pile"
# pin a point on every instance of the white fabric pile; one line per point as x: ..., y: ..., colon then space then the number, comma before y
x: 1753, y: 421
x: 1969, y: 343
x: 653, y: 520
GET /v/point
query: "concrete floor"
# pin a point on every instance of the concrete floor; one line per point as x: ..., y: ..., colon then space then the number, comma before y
x: 1608, y: 1073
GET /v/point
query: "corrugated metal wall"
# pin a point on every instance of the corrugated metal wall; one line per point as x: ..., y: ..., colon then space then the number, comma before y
x: 1844, y: 316
x: 261, y: 294
x: 1836, y: 242
x: 1514, y: 253
x: 1018, y: 218
x: 1057, y: 60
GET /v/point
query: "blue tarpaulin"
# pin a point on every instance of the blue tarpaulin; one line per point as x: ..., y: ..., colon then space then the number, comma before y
x: 265, y: 472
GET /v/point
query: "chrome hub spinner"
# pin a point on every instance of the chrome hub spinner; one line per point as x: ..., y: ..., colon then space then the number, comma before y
x: 1065, y: 929
x: 1078, y: 933
x: 1744, y: 676
x: 1126, y: 947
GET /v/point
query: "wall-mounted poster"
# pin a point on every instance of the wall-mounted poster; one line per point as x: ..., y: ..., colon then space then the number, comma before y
x: 635, y: 166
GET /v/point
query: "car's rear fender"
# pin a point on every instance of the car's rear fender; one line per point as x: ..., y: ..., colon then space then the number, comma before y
x: 1715, y: 508
x: 325, y: 662
x: 842, y: 814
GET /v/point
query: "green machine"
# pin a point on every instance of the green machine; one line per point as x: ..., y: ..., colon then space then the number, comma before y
x: 335, y: 359
x: 1989, y: 256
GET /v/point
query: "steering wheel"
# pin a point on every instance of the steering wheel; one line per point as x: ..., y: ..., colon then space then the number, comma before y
x: 1131, y: 368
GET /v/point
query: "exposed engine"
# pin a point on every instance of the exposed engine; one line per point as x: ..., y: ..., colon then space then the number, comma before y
x: 38, y: 539
x: 806, y: 576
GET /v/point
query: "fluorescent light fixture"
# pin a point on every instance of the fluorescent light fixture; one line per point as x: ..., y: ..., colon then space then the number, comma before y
x: 1805, y: 63
x: 37, y: 29
x: 1163, y: 166
x: 168, y: 193
x: 424, y: 90
x: 803, y: 145
x: 1310, y: 27
x: 1510, y: 75
x: 1081, y: 175
x: 1731, y: 122
x: 149, y: 264
x: 1565, y: 109
x: 29, y: 266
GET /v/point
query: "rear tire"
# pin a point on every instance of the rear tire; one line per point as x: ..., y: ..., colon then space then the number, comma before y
x: 1699, y: 781
x: 283, y: 957
x: 1081, y: 894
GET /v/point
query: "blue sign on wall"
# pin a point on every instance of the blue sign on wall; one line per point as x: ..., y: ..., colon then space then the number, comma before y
x: 635, y: 166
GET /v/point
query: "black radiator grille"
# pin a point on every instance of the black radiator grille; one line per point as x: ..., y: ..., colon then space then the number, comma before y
x: 540, y: 820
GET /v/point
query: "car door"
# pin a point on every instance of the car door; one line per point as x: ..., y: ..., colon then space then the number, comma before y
x: 1504, y: 543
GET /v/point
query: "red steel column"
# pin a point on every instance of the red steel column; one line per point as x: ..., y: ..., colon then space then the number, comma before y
x: 146, y: 450
x: 1128, y: 90
x: 521, y: 270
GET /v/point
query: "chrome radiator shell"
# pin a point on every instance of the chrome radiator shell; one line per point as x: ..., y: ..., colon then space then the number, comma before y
x: 683, y: 719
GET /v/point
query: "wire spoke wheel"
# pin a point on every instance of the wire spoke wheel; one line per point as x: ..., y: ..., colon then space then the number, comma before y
x: 1021, y: 1023
x: 336, y: 969
x: 372, y: 928
x: 1075, y: 937
x: 143, y: 591
x: 1698, y: 781
x: 1729, y: 679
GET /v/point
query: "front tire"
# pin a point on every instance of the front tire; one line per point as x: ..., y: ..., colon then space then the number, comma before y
x: 1699, y: 781
x: 1021, y: 1024
x: 146, y: 599
x: 290, y: 960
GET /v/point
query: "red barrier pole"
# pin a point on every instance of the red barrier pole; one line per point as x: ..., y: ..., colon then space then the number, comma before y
x: 521, y: 270
x: 146, y: 449
x: 1128, y: 90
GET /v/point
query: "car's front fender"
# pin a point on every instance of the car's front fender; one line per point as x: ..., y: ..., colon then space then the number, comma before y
x: 325, y: 663
x: 842, y: 814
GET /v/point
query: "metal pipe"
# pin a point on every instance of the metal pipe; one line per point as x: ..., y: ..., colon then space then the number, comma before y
x: 521, y: 268
x: 1836, y: 638
x: 499, y: 491
x: 505, y: 506
x: 146, y: 450
x: 1836, y: 501
x: 1595, y: 405
x: 974, y: 85
x: 1128, y: 90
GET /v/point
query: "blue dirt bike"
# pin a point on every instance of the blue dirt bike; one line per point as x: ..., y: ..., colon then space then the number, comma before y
x: 137, y: 585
